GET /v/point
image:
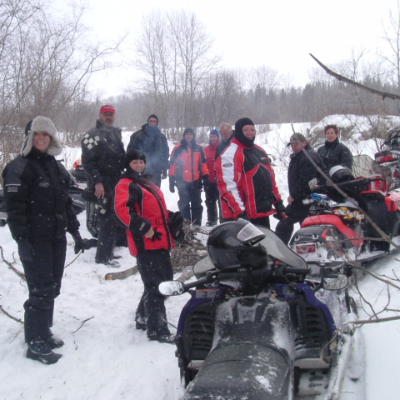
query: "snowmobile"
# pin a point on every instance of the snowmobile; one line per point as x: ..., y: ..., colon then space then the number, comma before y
x: 254, y: 327
x: 387, y: 160
x: 77, y: 172
x: 337, y: 232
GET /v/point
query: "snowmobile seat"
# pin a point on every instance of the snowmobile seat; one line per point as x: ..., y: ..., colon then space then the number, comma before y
x: 336, y: 222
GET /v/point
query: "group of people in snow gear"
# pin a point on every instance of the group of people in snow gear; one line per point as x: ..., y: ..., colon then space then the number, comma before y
x: 238, y: 180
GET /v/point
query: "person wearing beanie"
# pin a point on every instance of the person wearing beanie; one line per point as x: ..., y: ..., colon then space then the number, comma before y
x: 246, y: 180
x: 102, y: 159
x: 140, y: 206
x: 188, y: 172
x: 150, y: 141
x: 211, y: 190
x: 40, y: 213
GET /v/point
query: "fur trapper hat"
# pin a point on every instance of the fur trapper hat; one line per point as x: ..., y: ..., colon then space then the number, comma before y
x: 42, y: 124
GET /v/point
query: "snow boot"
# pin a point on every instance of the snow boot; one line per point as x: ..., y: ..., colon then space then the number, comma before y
x: 168, y: 338
x: 39, y: 350
x: 212, y: 223
x: 55, y: 343
x: 110, y: 263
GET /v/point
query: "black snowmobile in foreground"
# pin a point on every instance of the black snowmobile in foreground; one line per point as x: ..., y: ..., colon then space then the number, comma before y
x: 254, y: 327
x: 337, y: 232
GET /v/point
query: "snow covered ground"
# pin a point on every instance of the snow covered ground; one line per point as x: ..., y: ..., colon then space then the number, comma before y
x: 107, y: 358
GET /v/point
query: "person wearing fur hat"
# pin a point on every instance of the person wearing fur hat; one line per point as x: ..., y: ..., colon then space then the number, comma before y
x: 102, y: 159
x: 211, y: 190
x: 150, y: 141
x: 188, y: 172
x: 140, y: 206
x: 39, y: 214
x: 246, y: 180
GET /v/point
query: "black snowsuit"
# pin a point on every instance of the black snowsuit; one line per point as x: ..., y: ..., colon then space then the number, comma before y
x: 39, y: 209
x: 335, y: 153
x: 153, y: 144
x: 301, y: 171
x: 102, y: 159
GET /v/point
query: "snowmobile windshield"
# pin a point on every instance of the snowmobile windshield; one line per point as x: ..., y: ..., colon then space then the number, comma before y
x: 202, y: 266
x: 250, y: 234
x: 278, y: 250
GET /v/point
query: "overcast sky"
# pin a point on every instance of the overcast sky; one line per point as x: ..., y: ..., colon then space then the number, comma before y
x: 280, y: 34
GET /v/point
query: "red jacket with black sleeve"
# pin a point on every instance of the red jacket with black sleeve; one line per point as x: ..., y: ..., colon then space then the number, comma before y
x: 210, y: 151
x: 188, y: 162
x: 140, y: 205
x: 246, y: 181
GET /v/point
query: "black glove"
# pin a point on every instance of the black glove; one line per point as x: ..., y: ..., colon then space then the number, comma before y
x: 243, y: 215
x: 279, y: 207
x: 172, y: 184
x: 176, y: 226
x: 280, y: 211
x: 79, y: 243
x: 164, y: 174
x: 206, y: 181
x: 156, y: 236
x: 25, y: 250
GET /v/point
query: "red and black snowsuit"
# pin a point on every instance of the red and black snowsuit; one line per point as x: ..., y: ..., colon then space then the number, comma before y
x: 211, y: 190
x: 246, y: 181
x: 140, y: 206
x: 188, y: 167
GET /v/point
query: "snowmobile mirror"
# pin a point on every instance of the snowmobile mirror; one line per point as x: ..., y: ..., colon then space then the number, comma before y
x: 171, y: 288
x: 334, y: 281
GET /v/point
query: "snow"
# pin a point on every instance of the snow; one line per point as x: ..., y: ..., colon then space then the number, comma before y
x: 107, y: 358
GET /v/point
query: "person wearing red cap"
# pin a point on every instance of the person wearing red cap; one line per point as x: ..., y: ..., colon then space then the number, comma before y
x: 102, y: 158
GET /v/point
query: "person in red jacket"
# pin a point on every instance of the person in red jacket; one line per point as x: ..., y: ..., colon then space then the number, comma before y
x: 246, y: 180
x: 140, y: 206
x: 211, y: 190
x: 188, y: 168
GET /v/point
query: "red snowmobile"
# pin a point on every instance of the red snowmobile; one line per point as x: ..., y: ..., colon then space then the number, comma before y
x: 338, y: 232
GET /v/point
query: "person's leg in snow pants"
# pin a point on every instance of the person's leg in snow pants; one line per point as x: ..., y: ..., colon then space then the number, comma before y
x: 154, y: 267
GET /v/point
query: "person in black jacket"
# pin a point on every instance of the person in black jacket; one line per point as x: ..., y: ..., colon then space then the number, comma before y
x: 301, y: 172
x: 102, y: 158
x: 39, y: 214
x: 333, y: 152
x: 153, y: 144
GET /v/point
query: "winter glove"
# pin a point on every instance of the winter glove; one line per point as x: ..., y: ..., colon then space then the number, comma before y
x: 172, y: 184
x: 206, y: 181
x: 176, y: 226
x: 243, y: 215
x: 25, y: 250
x: 79, y: 243
x: 280, y: 210
x: 156, y: 236
x: 164, y: 174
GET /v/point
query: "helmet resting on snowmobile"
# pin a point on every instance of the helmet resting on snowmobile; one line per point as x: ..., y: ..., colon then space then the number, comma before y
x: 233, y: 244
x: 340, y: 174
